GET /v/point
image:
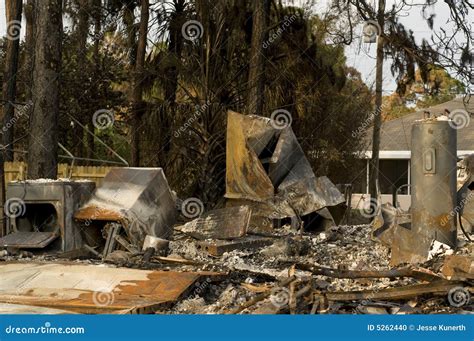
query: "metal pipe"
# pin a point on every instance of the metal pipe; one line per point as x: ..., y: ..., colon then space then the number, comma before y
x: 100, y: 141
x: 70, y: 155
x: 76, y: 158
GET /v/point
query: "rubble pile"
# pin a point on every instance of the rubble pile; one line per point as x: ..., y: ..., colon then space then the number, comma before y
x: 289, y: 276
x: 281, y: 244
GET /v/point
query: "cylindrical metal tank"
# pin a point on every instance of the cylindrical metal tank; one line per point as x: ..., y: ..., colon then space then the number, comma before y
x: 433, y: 184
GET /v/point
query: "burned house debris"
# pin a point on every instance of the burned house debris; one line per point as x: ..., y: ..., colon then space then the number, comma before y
x: 276, y: 246
x: 267, y: 169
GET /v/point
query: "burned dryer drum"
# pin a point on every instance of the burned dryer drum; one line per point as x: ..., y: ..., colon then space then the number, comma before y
x: 40, y: 214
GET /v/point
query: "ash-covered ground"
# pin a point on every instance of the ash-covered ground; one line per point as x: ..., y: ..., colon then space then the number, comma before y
x: 251, y: 279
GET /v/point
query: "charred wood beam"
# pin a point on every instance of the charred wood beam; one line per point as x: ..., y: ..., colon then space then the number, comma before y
x: 354, y: 274
x: 441, y: 287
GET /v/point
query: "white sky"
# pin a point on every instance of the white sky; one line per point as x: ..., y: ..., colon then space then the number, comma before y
x: 359, y: 55
x: 362, y: 56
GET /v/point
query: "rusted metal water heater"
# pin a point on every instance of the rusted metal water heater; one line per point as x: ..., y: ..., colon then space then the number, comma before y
x: 433, y: 172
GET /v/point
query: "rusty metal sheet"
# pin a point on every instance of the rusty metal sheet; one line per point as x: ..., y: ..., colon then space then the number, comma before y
x: 261, y: 219
x: 392, y: 227
x: 386, y: 219
x: 288, y: 158
x: 458, y: 267
x: 28, y: 240
x: 275, y: 175
x: 92, y: 288
x: 245, y: 176
x: 98, y: 213
x: 408, y: 247
x: 225, y: 223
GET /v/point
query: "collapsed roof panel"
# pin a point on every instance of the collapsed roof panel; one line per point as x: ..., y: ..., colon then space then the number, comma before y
x: 91, y: 288
x: 287, y: 158
x: 246, y: 177
x: 278, y: 178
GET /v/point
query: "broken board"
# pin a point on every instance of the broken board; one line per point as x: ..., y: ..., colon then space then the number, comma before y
x: 225, y: 223
x: 93, y: 289
x: 28, y: 240
x: 219, y: 247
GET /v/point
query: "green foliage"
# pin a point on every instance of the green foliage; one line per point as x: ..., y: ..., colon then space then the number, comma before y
x: 190, y: 85
x: 424, y: 91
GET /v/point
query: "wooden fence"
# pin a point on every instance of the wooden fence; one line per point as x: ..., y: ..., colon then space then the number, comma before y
x: 17, y: 171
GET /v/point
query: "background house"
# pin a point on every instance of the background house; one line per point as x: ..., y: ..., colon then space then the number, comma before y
x: 395, y: 146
